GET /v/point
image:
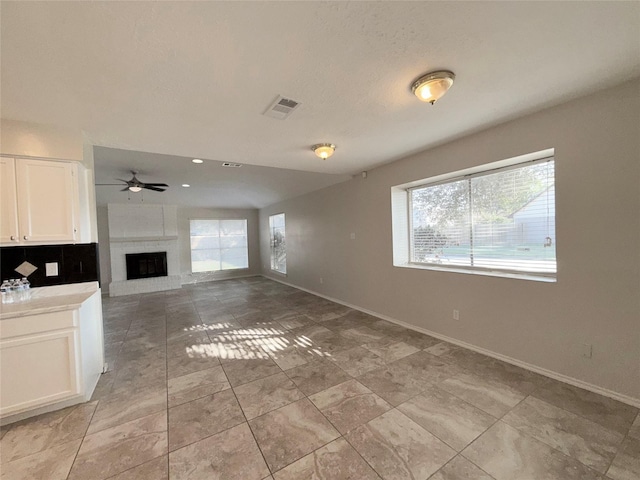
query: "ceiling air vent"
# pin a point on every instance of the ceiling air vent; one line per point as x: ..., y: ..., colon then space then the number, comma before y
x: 231, y: 165
x: 281, y: 108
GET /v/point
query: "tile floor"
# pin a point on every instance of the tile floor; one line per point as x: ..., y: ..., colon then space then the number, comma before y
x: 250, y: 379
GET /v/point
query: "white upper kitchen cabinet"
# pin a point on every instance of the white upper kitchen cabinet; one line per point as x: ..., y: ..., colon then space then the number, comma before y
x: 8, y: 201
x: 46, y: 200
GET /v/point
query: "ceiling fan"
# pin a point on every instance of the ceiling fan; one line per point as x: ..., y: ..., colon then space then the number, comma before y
x: 135, y: 185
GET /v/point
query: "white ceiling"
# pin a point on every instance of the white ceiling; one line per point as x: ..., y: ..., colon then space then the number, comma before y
x: 211, y: 184
x: 192, y: 79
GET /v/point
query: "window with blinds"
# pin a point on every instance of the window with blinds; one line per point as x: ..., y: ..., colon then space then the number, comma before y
x: 277, y: 243
x: 219, y: 245
x: 497, y: 220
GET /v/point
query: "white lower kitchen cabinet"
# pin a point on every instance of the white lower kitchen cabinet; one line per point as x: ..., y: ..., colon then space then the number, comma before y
x: 51, y: 350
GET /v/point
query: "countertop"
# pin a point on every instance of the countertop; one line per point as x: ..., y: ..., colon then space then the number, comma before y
x: 50, y: 299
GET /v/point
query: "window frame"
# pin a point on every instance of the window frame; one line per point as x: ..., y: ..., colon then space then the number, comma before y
x: 403, y: 255
x: 246, y: 225
x: 271, y: 243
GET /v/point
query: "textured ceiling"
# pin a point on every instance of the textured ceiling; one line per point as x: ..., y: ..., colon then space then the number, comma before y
x: 192, y: 79
x: 211, y: 185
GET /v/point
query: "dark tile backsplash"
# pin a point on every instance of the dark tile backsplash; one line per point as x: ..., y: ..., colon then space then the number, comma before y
x: 76, y: 263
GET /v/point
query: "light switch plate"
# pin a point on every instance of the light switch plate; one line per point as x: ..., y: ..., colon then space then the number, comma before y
x: 51, y: 269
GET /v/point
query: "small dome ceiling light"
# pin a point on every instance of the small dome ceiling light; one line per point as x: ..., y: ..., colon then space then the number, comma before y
x: 197, y: 160
x: 432, y: 86
x: 135, y: 188
x: 186, y: 185
x: 324, y: 150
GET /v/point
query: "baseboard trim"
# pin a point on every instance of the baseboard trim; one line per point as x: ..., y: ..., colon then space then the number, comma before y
x: 635, y: 402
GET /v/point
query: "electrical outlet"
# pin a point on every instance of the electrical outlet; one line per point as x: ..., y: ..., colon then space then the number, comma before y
x: 353, y: 236
x: 321, y: 280
x: 456, y: 314
x: 587, y: 350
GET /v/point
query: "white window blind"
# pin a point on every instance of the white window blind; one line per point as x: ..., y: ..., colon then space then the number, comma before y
x: 502, y: 220
x: 278, y: 243
x: 219, y: 245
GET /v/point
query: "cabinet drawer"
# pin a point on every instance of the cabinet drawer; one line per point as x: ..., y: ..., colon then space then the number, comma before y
x: 45, y: 322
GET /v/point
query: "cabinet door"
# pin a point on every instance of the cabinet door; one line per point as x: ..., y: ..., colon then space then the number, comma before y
x: 47, y: 200
x: 37, y: 370
x: 8, y: 204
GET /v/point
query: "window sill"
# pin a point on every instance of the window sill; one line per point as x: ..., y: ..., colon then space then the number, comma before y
x: 486, y: 273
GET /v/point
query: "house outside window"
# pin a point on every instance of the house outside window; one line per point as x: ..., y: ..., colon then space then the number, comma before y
x: 278, y: 243
x: 493, y: 220
x: 219, y: 244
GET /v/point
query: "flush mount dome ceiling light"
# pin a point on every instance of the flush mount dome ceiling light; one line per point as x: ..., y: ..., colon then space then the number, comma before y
x: 324, y: 150
x: 432, y: 86
x: 197, y: 160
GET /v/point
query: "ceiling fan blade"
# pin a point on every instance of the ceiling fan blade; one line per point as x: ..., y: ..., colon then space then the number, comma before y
x: 125, y: 181
x: 102, y: 184
x: 157, y: 184
x: 124, y: 189
x: 155, y: 189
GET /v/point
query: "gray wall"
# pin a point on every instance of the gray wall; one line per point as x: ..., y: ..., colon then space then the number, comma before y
x: 596, y: 299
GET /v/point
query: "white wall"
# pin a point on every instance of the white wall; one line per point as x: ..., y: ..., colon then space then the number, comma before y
x: 104, y: 247
x: 36, y: 140
x: 184, y: 242
x: 596, y: 299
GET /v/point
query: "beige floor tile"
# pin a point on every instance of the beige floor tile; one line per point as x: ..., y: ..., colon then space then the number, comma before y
x: 357, y: 361
x: 507, y: 454
x: 394, y: 384
x: 123, y: 407
x: 229, y: 455
x: 195, y: 385
x: 390, y: 350
x: 606, y: 411
x: 114, y: 450
x: 440, y: 348
x: 245, y: 371
x: 156, y: 469
x: 493, y: 397
x: 460, y: 469
x: 198, y: 359
x: 426, y: 367
x: 43, y: 432
x: 202, y: 418
x: 349, y: 405
x: 291, y: 432
x: 452, y: 420
x: 316, y: 376
x: 265, y: 394
x: 337, y: 460
x: 398, y: 448
x: 626, y: 464
x: 577, y: 437
x: 51, y: 464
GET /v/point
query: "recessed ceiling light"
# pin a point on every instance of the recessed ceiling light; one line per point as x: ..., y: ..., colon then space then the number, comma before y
x: 186, y: 185
x: 197, y: 160
x: 324, y: 150
x: 432, y: 86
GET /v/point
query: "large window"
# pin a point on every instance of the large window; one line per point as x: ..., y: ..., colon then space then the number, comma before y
x: 278, y: 245
x: 502, y: 219
x: 219, y: 245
